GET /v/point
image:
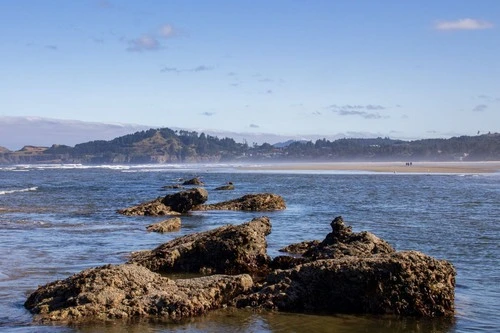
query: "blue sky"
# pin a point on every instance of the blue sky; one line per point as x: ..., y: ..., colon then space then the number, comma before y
x: 404, y: 69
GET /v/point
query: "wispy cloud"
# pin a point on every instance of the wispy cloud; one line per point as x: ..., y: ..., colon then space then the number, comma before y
x: 167, y: 31
x: 143, y: 43
x: 480, y: 108
x: 208, y: 114
x: 152, y: 42
x: 52, y: 47
x: 200, y: 68
x: 254, y: 126
x: 463, y: 24
x: 364, y: 111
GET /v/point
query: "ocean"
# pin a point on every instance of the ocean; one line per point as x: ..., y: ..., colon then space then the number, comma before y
x: 56, y: 220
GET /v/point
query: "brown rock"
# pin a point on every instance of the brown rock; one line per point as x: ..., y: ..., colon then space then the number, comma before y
x: 130, y: 291
x: 183, y: 201
x: 151, y: 208
x: 171, y: 224
x: 171, y: 204
x: 250, y: 202
x: 404, y: 283
x: 231, y: 249
x: 341, y: 242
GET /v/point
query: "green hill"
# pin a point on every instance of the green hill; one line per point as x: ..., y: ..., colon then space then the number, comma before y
x: 167, y: 146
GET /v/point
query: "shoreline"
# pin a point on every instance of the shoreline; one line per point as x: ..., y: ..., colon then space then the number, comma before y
x: 383, y: 167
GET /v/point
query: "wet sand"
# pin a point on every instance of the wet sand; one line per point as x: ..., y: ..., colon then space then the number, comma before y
x: 387, y: 167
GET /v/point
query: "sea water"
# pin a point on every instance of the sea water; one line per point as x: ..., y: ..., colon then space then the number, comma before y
x: 56, y: 220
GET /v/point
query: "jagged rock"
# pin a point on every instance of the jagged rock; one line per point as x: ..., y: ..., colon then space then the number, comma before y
x: 172, y: 224
x: 129, y: 292
x: 228, y: 187
x: 345, y: 273
x: 231, y: 249
x: 251, y: 202
x: 403, y: 283
x: 171, y: 204
x: 341, y: 242
x: 194, y: 181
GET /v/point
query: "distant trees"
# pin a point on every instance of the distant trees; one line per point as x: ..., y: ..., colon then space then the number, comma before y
x: 165, y: 145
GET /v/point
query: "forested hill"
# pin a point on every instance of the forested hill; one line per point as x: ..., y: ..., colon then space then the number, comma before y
x: 167, y: 146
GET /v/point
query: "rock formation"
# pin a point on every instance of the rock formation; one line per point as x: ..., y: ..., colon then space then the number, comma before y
x: 231, y: 249
x: 347, y: 272
x: 171, y: 204
x: 193, y: 199
x: 251, y: 202
x: 401, y: 283
x: 130, y: 291
x: 169, y: 225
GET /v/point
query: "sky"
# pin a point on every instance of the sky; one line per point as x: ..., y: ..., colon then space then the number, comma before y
x: 403, y: 69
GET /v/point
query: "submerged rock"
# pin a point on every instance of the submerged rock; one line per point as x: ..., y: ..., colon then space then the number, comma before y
x: 171, y: 224
x: 231, y: 249
x: 249, y: 202
x: 131, y: 291
x: 228, y: 187
x: 171, y: 204
x: 403, y: 283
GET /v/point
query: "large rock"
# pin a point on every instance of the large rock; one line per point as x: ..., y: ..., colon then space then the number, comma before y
x: 171, y: 204
x: 129, y: 292
x: 249, y: 202
x: 403, y: 283
x: 231, y: 249
x: 169, y: 225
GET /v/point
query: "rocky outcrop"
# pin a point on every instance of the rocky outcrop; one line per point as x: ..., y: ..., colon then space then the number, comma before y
x: 347, y: 272
x: 193, y: 199
x: 249, y: 202
x: 231, y: 249
x: 194, y: 181
x: 228, y: 187
x: 403, y: 283
x: 169, y: 225
x: 171, y: 204
x: 131, y: 291
x: 183, y: 201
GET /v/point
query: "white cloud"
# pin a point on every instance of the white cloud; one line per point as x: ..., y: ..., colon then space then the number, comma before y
x: 463, y: 24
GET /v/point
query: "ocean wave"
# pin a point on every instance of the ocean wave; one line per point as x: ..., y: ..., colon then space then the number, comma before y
x: 29, y: 189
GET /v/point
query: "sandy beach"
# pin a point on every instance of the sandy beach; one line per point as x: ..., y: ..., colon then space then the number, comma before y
x: 392, y: 167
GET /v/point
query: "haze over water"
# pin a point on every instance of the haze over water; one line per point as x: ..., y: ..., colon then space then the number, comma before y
x: 58, y: 220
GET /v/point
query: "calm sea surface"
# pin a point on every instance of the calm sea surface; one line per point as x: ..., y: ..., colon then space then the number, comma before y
x: 58, y: 220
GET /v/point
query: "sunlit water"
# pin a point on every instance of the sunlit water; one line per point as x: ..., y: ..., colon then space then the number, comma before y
x: 58, y: 220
